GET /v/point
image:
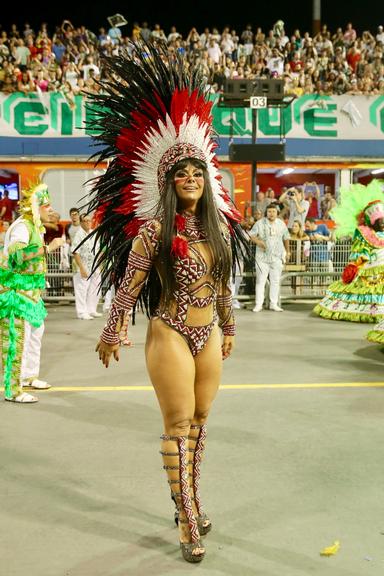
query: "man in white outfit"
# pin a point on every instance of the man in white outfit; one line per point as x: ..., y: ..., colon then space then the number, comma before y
x: 86, y: 287
x: 271, y: 236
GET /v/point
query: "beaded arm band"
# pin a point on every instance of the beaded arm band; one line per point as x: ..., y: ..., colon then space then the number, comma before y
x: 224, y: 310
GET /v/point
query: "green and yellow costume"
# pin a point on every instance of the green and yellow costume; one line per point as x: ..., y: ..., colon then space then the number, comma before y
x: 21, y: 283
x: 359, y: 295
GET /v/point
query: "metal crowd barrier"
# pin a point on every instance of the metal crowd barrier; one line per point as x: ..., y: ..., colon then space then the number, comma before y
x: 59, y: 278
x: 312, y: 266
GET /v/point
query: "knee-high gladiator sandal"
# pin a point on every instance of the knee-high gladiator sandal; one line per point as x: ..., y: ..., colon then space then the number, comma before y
x: 176, y: 466
x: 196, y: 451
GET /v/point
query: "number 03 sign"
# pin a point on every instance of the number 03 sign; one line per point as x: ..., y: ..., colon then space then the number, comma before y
x: 258, y: 102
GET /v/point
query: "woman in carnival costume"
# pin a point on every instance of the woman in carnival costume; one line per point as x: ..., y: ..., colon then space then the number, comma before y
x: 169, y: 235
x: 359, y: 295
x: 22, y: 279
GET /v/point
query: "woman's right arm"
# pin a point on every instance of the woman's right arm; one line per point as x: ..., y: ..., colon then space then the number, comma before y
x: 144, y: 250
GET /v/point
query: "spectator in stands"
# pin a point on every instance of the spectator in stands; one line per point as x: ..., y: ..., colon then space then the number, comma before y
x: 349, y: 35
x: 58, y: 49
x: 257, y: 215
x: 115, y: 35
x: 297, y: 232
x: 312, y: 194
x: 88, y: 66
x: 6, y: 207
x: 261, y: 202
x: 214, y: 51
x: 21, y: 54
x: 319, y: 236
x: 86, y: 287
x: 217, y: 77
x: 275, y: 63
x: 380, y: 35
x: 25, y: 83
x: 72, y: 75
x: 316, y: 231
x: 158, y: 33
x: 145, y: 31
x: 327, y: 203
x: 271, y: 236
x: 298, y: 252
x: 343, y: 63
x: 173, y: 35
x: 73, y: 226
x: 41, y: 81
x: 293, y: 199
x: 53, y: 228
x: 4, y: 227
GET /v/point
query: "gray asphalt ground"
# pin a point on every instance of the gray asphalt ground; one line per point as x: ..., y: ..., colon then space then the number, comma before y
x: 294, y: 462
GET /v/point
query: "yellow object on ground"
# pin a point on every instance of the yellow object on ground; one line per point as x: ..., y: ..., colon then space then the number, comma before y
x: 331, y: 550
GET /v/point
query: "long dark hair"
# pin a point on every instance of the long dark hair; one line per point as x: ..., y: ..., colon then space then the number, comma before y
x: 210, y: 221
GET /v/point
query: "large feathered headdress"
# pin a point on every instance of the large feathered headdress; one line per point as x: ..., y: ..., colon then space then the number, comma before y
x: 32, y: 198
x: 358, y: 205
x: 152, y: 111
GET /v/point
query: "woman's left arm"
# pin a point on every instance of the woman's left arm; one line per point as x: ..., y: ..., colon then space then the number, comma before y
x: 226, y: 319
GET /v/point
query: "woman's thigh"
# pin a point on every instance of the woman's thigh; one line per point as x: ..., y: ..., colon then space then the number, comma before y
x: 171, y: 368
x: 208, y: 365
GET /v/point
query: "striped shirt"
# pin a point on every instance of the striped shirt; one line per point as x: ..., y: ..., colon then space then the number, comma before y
x: 272, y: 234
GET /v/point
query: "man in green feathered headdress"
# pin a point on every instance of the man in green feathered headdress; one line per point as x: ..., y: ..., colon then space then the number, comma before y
x: 22, y: 279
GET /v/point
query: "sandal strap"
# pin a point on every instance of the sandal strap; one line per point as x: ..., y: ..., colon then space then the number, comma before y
x: 175, y: 438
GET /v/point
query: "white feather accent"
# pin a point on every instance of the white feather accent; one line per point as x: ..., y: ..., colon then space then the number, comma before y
x: 155, y: 145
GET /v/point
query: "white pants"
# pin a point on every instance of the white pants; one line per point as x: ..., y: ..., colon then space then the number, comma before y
x: 236, y: 284
x: 108, y: 297
x: 30, y: 360
x: 273, y: 271
x: 87, y: 294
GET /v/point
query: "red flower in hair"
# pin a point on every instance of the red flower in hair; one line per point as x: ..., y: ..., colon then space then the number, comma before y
x: 349, y: 273
x: 179, y: 247
x: 179, y: 223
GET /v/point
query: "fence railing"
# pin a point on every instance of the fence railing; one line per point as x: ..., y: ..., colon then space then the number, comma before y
x: 312, y: 266
x: 59, y: 277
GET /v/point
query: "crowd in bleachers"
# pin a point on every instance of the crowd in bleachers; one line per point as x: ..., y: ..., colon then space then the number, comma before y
x: 69, y: 59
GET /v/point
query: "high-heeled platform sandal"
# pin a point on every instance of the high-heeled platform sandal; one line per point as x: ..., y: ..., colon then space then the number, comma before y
x: 178, y: 477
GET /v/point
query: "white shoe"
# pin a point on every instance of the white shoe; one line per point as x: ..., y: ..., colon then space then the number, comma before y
x: 23, y: 398
x: 276, y: 308
x: 236, y: 305
x: 257, y: 309
x: 95, y: 314
x: 36, y: 384
x: 85, y: 317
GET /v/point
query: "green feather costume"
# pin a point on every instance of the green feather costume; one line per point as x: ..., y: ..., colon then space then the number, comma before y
x: 359, y: 295
x: 21, y: 283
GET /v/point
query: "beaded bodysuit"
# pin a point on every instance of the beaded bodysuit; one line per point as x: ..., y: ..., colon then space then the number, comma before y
x: 199, y: 301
